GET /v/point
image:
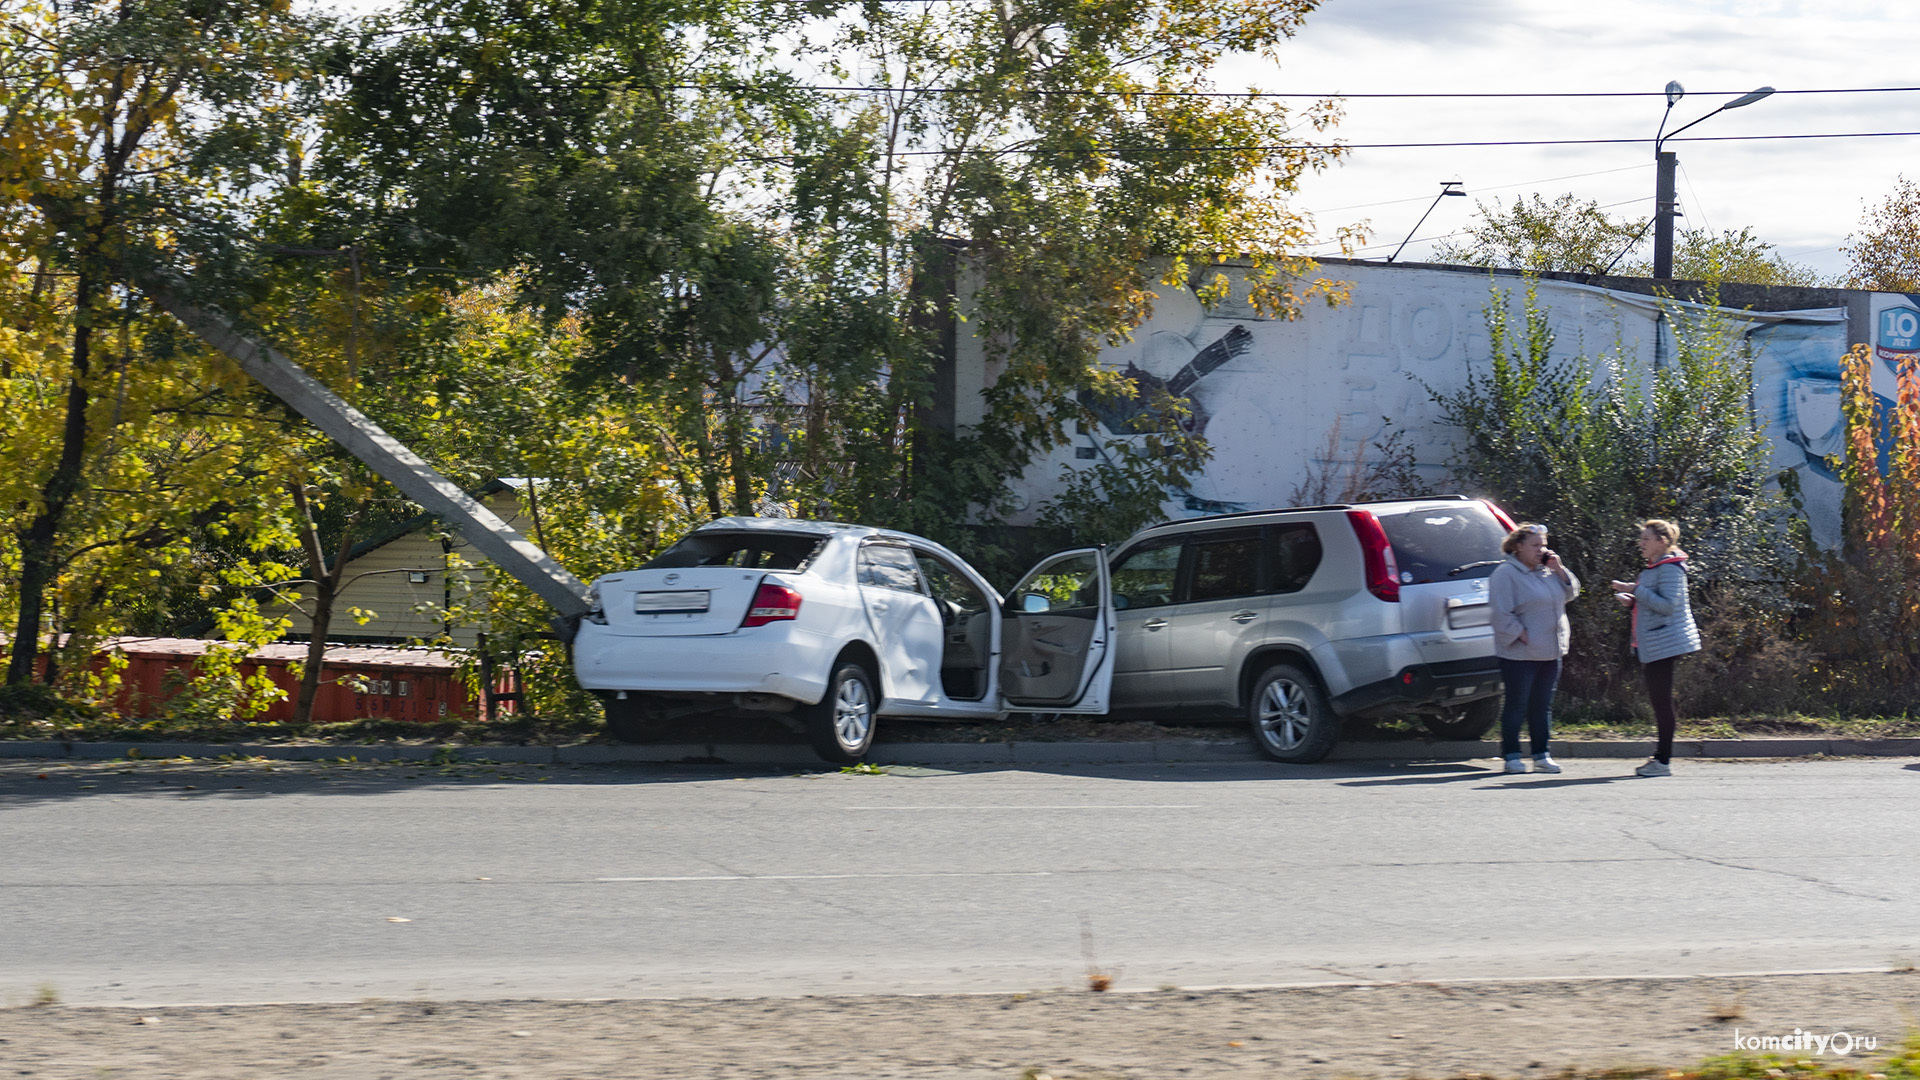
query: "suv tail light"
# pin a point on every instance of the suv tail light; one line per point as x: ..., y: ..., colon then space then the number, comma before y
x: 1383, y: 573
x: 1501, y: 516
x: 772, y: 603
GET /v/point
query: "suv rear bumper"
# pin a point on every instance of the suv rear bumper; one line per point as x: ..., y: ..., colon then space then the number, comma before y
x: 1424, y: 686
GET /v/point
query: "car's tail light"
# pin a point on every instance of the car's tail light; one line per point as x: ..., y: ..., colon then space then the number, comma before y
x: 1383, y: 573
x: 772, y: 603
x: 1501, y: 516
x: 596, y: 611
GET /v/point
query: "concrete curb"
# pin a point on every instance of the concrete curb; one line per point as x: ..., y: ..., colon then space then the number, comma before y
x: 994, y: 753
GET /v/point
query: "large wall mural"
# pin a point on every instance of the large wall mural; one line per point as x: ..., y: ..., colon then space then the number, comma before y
x: 1268, y: 394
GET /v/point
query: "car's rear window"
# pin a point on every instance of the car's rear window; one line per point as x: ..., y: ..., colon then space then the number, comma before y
x: 1444, y: 543
x: 754, y: 550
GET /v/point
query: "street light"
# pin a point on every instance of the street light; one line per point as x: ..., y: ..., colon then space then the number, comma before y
x: 1447, y: 187
x: 1664, y: 199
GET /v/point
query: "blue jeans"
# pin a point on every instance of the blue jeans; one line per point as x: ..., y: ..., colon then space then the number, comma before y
x: 1530, y: 697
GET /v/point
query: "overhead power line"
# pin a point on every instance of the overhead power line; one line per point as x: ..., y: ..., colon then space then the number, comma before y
x: 1412, y: 95
x: 1119, y: 151
x: 1478, y: 188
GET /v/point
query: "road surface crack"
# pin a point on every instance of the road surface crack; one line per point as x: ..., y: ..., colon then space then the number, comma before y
x: 1731, y: 865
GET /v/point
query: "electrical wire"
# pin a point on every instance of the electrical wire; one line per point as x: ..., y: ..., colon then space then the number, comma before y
x: 1699, y: 207
x: 1250, y: 149
x: 1493, y: 187
x: 1463, y: 232
x: 1447, y: 95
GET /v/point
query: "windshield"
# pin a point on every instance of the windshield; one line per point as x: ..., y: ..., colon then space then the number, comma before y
x: 753, y: 550
x: 1444, y: 543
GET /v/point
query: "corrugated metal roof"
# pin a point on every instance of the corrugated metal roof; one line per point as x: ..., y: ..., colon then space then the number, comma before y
x: 358, y: 655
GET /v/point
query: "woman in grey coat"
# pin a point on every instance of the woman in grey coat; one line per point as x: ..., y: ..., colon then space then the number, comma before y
x: 1527, y: 601
x: 1663, y: 628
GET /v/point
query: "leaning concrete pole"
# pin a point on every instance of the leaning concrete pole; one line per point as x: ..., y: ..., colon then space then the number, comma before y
x: 405, y: 469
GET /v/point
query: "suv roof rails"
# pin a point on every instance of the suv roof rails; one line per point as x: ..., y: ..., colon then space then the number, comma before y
x: 1304, y: 509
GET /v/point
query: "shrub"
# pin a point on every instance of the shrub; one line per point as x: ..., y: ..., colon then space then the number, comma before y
x: 1864, y: 598
x: 1591, y: 445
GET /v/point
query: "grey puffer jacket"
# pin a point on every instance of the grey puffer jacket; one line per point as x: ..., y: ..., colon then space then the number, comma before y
x: 1528, y: 608
x: 1662, y: 618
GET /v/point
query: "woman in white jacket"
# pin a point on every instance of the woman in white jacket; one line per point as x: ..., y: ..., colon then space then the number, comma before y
x: 1663, y: 629
x: 1528, y: 595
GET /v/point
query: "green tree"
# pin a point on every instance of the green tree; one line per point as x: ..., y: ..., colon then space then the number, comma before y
x: 1063, y: 163
x: 774, y: 265
x: 1567, y: 234
x: 134, y: 135
x: 1885, y: 253
x: 1576, y: 236
x: 1729, y: 255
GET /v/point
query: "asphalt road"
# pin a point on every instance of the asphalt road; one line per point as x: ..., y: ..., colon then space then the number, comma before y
x: 120, y: 884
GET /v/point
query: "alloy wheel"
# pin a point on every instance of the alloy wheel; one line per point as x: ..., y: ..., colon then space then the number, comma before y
x: 1283, y: 714
x: 852, y: 713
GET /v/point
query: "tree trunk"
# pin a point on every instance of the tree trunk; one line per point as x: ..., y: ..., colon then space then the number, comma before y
x: 696, y: 424
x: 327, y: 586
x: 39, y: 563
x: 486, y: 679
x: 737, y: 459
x: 316, y: 656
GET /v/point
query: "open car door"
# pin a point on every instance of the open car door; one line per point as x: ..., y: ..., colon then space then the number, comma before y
x: 1056, y: 636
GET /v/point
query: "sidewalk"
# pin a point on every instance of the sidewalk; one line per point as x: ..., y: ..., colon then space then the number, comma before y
x: 1088, y: 752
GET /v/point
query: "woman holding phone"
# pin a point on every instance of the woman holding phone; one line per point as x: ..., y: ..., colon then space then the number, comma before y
x: 1528, y: 595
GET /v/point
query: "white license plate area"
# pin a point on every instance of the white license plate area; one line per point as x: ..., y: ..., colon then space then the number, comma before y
x: 679, y: 602
x: 1468, y: 615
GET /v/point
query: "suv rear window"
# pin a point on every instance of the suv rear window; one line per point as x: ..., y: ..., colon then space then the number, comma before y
x: 1444, y: 543
x: 753, y: 550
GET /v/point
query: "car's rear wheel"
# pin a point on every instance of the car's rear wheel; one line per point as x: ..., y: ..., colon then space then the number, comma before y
x: 1290, y: 717
x: 635, y: 719
x: 841, y: 726
x: 1468, y: 724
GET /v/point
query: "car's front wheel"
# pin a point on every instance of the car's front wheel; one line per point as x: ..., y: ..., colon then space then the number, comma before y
x: 1290, y: 716
x: 841, y: 726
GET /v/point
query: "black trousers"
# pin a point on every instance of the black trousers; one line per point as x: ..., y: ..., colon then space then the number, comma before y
x: 1660, y: 690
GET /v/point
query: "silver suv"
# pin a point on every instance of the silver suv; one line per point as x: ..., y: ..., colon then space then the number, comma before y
x: 1301, y: 618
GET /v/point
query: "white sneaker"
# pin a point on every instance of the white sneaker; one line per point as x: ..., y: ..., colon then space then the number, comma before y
x: 1654, y: 767
x: 1516, y: 764
x: 1545, y: 763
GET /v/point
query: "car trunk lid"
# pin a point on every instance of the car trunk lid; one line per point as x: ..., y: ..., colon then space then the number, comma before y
x: 678, y: 602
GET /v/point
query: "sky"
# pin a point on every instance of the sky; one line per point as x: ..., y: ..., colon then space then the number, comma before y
x: 1802, y: 195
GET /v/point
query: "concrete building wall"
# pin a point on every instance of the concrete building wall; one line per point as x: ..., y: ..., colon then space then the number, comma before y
x: 1268, y: 394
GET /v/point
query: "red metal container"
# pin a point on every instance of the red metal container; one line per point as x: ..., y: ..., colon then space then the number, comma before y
x: 357, y: 681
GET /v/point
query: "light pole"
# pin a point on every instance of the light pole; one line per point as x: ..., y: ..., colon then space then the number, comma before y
x: 1447, y: 187
x: 1665, y: 161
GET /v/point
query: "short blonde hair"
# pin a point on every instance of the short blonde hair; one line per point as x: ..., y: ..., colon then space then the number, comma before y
x: 1662, y: 528
x: 1512, y: 543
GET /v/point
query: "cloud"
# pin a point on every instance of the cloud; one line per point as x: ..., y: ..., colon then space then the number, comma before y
x: 1421, y: 21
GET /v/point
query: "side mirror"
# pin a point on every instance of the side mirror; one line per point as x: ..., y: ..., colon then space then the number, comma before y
x: 1035, y: 602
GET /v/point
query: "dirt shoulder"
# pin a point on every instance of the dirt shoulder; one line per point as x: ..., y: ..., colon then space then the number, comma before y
x: 1517, y: 1029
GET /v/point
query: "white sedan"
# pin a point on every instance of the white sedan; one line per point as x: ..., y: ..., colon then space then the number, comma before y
x: 831, y: 626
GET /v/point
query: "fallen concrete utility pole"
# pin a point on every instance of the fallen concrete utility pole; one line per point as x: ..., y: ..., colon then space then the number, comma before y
x: 403, y: 468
